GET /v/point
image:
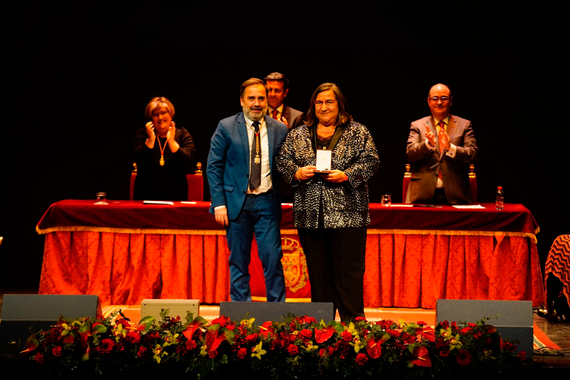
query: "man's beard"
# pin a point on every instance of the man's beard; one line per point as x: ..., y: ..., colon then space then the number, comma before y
x: 255, y: 117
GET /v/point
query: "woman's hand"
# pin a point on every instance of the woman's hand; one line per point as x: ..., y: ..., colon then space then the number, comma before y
x: 150, y: 130
x: 305, y: 173
x: 171, y: 133
x: 174, y: 146
x: 151, y: 135
x: 335, y: 176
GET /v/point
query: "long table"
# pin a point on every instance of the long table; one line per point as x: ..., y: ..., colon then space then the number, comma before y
x: 126, y: 251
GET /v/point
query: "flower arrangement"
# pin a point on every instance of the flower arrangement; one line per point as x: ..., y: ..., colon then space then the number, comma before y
x: 297, y: 347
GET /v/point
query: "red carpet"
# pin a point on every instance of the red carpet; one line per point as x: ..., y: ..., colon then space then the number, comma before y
x: 542, y: 342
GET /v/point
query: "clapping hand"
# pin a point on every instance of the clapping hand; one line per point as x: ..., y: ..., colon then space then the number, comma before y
x: 430, y: 136
x: 150, y: 129
x: 444, y: 139
x: 171, y: 132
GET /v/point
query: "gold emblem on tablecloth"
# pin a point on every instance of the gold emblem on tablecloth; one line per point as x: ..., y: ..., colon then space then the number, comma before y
x: 294, y: 264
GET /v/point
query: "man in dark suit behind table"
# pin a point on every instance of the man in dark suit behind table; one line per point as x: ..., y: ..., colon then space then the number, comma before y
x: 244, y: 185
x: 277, y: 90
x: 440, y: 148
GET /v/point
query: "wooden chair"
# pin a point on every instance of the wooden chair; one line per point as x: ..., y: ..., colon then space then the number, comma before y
x: 195, y: 183
x: 472, y: 182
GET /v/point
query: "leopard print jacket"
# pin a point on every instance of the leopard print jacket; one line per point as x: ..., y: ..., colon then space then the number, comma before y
x: 344, y: 205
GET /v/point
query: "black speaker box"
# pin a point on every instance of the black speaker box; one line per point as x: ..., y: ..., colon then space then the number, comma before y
x: 513, y: 319
x: 25, y: 314
x: 276, y: 311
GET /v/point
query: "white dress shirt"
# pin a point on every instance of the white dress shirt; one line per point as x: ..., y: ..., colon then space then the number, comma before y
x: 266, y: 184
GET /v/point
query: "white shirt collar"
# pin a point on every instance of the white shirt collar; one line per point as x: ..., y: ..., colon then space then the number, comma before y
x: 249, y: 122
x: 445, y: 120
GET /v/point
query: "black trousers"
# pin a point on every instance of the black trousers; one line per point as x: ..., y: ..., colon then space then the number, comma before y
x: 335, y: 261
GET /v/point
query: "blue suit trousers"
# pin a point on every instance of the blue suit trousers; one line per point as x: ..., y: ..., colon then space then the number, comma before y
x: 258, y: 217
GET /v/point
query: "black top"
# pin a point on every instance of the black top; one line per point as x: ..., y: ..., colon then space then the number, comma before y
x: 168, y: 182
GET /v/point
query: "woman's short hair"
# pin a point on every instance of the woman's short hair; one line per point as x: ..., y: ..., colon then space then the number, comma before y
x: 158, y: 102
x: 343, y: 114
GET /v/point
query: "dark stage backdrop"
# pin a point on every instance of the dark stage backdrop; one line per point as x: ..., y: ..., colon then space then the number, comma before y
x: 76, y: 80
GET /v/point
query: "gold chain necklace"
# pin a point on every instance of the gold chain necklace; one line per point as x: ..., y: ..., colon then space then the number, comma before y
x: 161, y: 162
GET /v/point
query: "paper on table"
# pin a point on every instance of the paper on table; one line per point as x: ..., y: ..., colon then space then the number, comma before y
x: 468, y: 206
x: 158, y: 203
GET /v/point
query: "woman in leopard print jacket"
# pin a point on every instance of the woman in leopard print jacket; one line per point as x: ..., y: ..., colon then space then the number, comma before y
x: 330, y: 210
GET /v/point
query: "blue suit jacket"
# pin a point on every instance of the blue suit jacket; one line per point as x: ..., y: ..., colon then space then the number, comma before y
x: 228, y: 163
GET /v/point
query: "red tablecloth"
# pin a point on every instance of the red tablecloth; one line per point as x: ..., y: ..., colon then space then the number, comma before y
x: 127, y: 251
x: 186, y: 218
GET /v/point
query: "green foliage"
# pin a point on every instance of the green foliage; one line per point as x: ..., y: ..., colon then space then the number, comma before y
x: 295, y: 348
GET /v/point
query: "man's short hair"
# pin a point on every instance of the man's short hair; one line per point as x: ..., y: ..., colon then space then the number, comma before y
x: 251, y: 82
x: 279, y: 78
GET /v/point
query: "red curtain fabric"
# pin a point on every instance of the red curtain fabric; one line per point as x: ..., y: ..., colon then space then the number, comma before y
x: 124, y: 269
x: 401, y: 270
x: 416, y: 270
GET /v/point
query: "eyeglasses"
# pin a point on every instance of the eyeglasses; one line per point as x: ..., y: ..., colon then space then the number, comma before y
x: 438, y: 98
x: 319, y: 103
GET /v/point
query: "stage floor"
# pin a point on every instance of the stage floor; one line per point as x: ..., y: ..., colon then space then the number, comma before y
x: 548, y: 333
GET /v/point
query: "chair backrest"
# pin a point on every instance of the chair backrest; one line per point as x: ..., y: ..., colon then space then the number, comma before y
x: 472, y: 182
x: 195, y: 183
x: 406, y: 182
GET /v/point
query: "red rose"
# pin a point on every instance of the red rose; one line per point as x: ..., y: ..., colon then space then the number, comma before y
x: 133, y: 337
x: 463, y: 357
x: 106, y: 346
x: 251, y: 338
x: 346, y: 336
x: 190, y: 344
x: 293, y: 350
x: 39, y: 358
x: 306, y: 333
x: 56, y: 351
x: 142, y: 350
x: 242, y: 353
x: 222, y: 321
x: 361, y: 359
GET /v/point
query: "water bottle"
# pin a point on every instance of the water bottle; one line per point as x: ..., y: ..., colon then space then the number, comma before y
x: 500, y: 198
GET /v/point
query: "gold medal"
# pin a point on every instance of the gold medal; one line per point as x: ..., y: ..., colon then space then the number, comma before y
x: 256, y: 159
x: 161, y: 162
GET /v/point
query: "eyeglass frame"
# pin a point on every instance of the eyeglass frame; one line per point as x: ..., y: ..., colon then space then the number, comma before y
x: 438, y: 98
x: 328, y: 103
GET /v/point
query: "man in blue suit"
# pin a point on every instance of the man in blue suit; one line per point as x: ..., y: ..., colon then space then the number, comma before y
x: 244, y: 185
